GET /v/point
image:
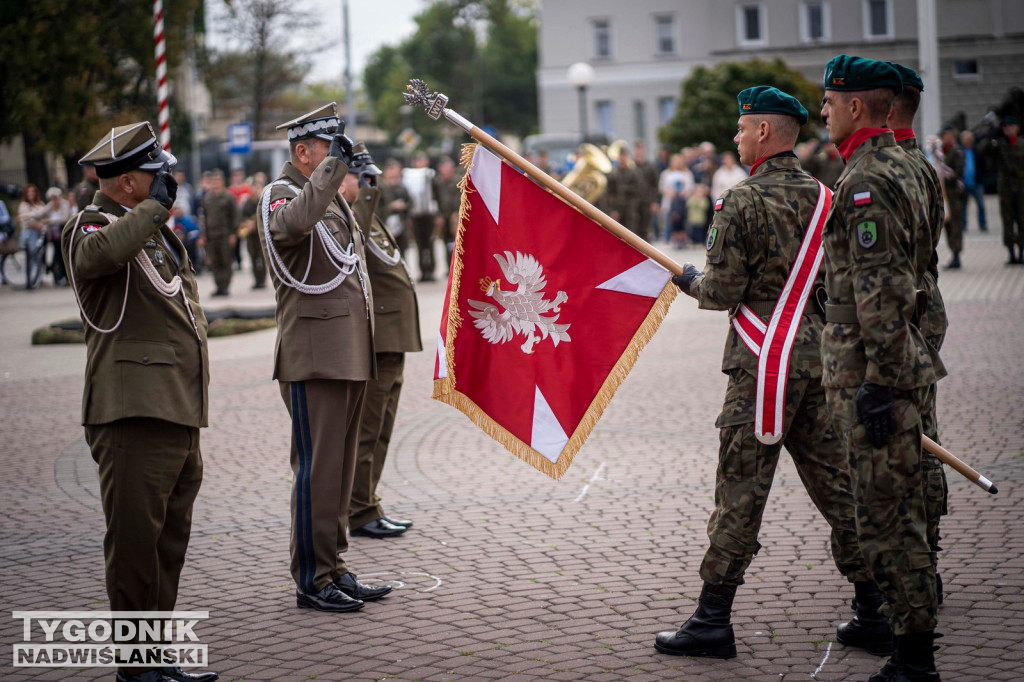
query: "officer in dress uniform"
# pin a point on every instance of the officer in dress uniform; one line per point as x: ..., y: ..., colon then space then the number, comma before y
x: 146, y: 373
x: 324, y: 353
x: 877, y: 366
x: 933, y: 322
x: 396, y: 331
x: 754, y: 256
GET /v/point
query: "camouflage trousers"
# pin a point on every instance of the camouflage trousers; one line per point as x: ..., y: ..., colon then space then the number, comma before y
x: 889, y: 490
x: 746, y: 468
x: 936, y: 489
x: 954, y: 224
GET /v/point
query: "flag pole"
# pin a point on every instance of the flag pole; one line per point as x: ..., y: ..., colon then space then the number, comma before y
x: 962, y: 467
x: 418, y: 95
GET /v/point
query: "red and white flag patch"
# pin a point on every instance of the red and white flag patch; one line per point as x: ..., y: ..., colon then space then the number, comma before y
x: 276, y: 204
x: 862, y: 199
x: 719, y: 204
x: 87, y: 229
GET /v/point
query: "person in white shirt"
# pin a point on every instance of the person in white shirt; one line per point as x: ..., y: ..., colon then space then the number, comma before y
x: 728, y: 175
x: 676, y: 179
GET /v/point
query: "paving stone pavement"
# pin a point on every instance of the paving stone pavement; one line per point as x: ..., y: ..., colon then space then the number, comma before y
x: 507, y: 574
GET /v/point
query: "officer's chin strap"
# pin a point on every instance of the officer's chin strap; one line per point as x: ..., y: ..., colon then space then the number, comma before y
x: 168, y: 289
x: 345, y: 260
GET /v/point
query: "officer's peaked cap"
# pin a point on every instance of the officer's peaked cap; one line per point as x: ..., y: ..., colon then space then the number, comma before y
x: 362, y: 162
x: 127, y: 148
x: 320, y: 123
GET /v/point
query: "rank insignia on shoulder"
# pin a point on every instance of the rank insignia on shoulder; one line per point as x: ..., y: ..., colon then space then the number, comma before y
x: 867, y: 234
x: 712, y: 236
x: 278, y: 203
x: 87, y: 229
x: 862, y: 199
x: 719, y: 204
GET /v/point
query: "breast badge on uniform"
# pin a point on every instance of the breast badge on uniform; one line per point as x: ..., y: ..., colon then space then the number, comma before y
x: 158, y: 257
x: 867, y: 234
x: 712, y: 236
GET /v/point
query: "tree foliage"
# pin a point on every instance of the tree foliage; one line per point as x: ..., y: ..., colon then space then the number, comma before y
x: 257, y: 65
x: 491, y: 80
x: 72, y: 70
x: 707, y: 104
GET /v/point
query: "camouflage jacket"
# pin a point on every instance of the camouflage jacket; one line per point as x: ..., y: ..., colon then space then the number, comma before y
x: 933, y: 323
x: 878, y: 243
x: 752, y: 242
x: 1009, y: 162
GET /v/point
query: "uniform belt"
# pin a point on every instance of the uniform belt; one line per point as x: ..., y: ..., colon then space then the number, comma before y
x: 842, y: 314
x: 766, y: 308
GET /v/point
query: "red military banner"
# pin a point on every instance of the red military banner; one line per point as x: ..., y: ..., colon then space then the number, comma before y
x: 544, y: 316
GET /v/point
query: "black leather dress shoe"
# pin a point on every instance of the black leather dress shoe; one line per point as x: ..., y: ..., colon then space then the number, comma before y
x: 378, y: 529
x: 348, y: 584
x: 155, y: 675
x: 404, y: 523
x: 328, y: 599
x: 180, y: 675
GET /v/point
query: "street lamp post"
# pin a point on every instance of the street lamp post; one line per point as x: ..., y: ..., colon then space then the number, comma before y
x: 581, y: 75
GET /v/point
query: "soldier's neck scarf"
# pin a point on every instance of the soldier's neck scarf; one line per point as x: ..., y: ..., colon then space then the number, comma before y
x: 848, y: 146
x: 904, y: 134
x: 765, y: 158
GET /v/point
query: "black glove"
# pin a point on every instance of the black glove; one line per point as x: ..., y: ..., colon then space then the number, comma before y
x: 164, y: 189
x: 877, y: 412
x: 341, y: 146
x: 685, y: 280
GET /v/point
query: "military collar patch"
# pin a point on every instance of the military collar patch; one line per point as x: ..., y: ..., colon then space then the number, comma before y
x: 719, y: 204
x: 862, y: 199
x: 867, y: 234
x: 712, y: 236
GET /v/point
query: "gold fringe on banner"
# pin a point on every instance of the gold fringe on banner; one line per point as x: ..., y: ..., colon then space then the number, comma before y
x: 444, y: 389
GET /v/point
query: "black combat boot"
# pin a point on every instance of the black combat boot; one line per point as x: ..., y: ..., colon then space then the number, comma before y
x: 914, y: 660
x: 954, y: 263
x: 1013, y: 257
x: 708, y: 632
x: 868, y: 629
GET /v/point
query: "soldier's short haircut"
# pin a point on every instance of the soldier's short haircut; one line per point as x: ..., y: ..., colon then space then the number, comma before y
x: 308, y: 142
x: 785, y: 128
x: 877, y: 102
x: 217, y: 173
x: 906, y: 103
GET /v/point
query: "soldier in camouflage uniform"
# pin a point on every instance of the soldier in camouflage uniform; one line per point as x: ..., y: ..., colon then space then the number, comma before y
x: 933, y: 322
x: 756, y: 236
x: 1009, y: 156
x: 952, y: 178
x: 648, y: 197
x: 876, y: 365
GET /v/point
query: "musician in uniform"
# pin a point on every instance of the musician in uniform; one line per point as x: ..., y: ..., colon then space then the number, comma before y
x: 146, y: 373
x: 932, y: 321
x: 419, y: 181
x: 877, y: 366
x: 396, y: 331
x: 647, y: 200
x: 763, y: 259
x: 324, y: 353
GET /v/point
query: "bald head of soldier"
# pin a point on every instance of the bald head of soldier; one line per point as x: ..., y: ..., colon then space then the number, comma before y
x: 905, y: 104
x: 769, y: 123
x: 858, y: 94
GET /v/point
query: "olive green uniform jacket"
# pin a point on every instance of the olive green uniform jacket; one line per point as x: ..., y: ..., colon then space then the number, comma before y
x: 155, y: 364
x: 319, y: 336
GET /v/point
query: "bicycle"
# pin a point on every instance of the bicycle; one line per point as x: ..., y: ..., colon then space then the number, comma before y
x: 28, y: 261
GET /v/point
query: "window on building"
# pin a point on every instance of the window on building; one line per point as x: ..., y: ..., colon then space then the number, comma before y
x: 639, y: 120
x: 815, y: 22
x: 605, y: 118
x: 602, y: 38
x: 664, y: 34
x: 878, y: 19
x: 666, y: 109
x: 966, y: 69
x: 750, y: 25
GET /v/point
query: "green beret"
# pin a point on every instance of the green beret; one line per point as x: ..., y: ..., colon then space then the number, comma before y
x: 857, y: 73
x: 908, y: 76
x: 764, y: 99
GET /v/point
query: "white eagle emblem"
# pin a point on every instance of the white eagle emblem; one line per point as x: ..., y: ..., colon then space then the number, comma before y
x: 524, y: 307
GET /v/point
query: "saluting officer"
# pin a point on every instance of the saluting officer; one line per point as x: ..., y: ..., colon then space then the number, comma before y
x: 396, y: 331
x: 146, y: 372
x: 877, y: 364
x: 324, y: 352
x: 762, y: 265
x: 933, y: 322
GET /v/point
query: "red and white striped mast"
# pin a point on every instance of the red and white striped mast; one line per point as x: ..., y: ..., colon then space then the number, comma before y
x: 161, y: 75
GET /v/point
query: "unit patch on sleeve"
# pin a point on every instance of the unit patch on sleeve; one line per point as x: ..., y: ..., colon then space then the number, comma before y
x: 712, y: 236
x: 862, y: 199
x: 278, y: 203
x: 867, y: 234
x: 86, y: 229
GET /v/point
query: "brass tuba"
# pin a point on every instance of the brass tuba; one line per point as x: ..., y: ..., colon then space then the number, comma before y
x: 589, y: 175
